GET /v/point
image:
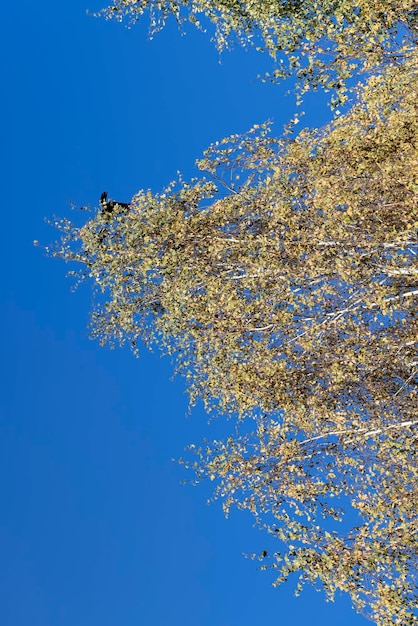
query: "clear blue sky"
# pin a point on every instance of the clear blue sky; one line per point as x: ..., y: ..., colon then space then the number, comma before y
x: 96, y: 528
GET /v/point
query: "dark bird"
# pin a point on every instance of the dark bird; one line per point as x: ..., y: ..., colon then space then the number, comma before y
x: 109, y: 206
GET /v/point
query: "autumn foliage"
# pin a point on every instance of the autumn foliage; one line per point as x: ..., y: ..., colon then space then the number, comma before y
x: 283, y: 282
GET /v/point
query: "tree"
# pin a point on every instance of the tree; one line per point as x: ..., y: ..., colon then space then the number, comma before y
x: 322, y: 43
x: 295, y: 487
x: 284, y: 286
x: 283, y: 283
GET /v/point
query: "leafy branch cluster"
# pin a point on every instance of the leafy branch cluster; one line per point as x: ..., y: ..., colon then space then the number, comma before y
x: 321, y: 43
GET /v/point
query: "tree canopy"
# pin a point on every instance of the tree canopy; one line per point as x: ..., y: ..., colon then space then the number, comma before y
x: 283, y: 282
x: 321, y: 43
x: 291, y: 258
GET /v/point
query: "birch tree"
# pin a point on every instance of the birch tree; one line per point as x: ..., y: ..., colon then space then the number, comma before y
x: 283, y: 282
x: 306, y: 492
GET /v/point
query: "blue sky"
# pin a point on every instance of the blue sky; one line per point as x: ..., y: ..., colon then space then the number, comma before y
x: 96, y: 527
